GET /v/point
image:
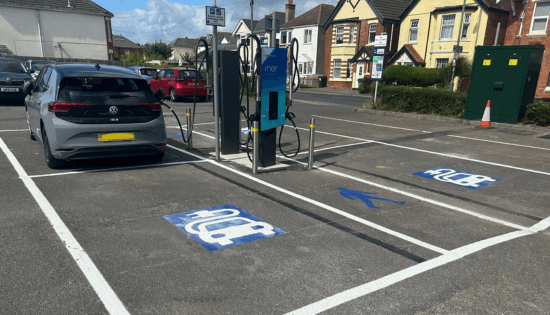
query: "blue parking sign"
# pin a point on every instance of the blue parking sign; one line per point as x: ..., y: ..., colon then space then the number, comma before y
x: 212, y: 11
x: 223, y: 226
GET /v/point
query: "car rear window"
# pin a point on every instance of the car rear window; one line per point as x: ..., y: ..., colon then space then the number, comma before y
x: 12, y: 67
x: 39, y: 65
x: 106, y: 87
x: 188, y: 74
x: 149, y: 72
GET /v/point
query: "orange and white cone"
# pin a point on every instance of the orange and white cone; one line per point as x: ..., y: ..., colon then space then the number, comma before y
x: 486, y: 120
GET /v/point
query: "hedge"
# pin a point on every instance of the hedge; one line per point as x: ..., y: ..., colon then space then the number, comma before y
x: 538, y: 113
x: 416, y: 76
x: 420, y: 100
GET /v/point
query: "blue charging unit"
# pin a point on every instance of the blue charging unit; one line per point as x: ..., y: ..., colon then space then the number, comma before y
x: 273, y: 88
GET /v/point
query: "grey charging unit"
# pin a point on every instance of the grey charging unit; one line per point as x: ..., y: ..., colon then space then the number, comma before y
x: 229, y: 101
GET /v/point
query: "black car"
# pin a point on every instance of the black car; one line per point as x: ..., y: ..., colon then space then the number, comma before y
x: 34, y: 66
x: 13, y: 77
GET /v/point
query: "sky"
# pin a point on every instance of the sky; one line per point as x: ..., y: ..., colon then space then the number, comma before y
x: 144, y: 21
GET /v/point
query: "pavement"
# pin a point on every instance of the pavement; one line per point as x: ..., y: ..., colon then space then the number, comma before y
x: 400, y: 216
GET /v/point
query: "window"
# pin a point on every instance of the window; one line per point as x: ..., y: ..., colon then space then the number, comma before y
x: 108, y: 24
x: 466, y: 26
x: 126, y: 52
x: 447, y: 27
x: 360, y: 72
x: 169, y: 74
x: 352, y: 34
x: 116, y: 39
x: 310, y: 67
x: 300, y: 68
x: 372, y: 33
x: 286, y: 37
x: 339, y: 35
x: 441, y: 63
x: 307, y: 36
x: 413, y: 33
x: 336, y: 70
x: 348, y: 70
x: 245, y: 41
x: 540, y: 17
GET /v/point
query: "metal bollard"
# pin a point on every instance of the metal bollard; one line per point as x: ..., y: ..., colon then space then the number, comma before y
x: 256, y: 146
x: 188, y: 112
x: 311, y: 141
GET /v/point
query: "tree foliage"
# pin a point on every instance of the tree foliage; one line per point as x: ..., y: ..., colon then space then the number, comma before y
x: 158, y: 49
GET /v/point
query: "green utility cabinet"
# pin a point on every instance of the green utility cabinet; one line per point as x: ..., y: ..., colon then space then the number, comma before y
x: 507, y: 76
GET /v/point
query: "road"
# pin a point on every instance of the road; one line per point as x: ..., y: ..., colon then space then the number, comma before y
x: 399, y: 216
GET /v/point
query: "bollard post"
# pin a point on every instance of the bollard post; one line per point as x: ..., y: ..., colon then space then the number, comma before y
x: 255, y: 148
x: 188, y: 112
x: 311, y: 141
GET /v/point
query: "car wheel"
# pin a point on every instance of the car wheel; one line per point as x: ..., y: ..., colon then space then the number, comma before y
x: 51, y: 161
x: 29, y: 124
x: 173, y: 96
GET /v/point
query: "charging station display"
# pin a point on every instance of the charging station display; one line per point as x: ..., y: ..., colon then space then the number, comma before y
x: 273, y: 88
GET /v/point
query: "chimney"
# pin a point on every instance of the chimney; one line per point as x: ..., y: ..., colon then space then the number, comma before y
x: 290, y: 10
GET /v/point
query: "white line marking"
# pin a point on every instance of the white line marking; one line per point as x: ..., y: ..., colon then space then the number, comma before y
x: 456, y: 254
x: 324, y: 206
x: 506, y: 143
x: 437, y: 153
x: 89, y: 269
x: 364, y: 123
x: 437, y: 203
x: 336, y: 147
x: 317, y: 103
x: 116, y: 169
x: 210, y: 123
x: 14, y: 130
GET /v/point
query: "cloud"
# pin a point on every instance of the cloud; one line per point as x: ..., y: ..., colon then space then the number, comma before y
x: 165, y: 20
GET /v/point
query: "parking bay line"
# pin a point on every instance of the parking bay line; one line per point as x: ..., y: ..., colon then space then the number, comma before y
x: 462, y: 137
x: 451, y: 256
x: 322, y: 205
x: 435, y: 153
x: 17, y: 130
x: 104, y: 291
x: 118, y: 168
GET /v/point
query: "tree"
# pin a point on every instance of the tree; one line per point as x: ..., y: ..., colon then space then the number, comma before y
x: 159, y: 48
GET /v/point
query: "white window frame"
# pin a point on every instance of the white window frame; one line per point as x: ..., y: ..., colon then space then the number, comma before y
x: 308, y: 34
x: 441, y: 62
x: 339, y: 67
x: 126, y: 52
x: 352, y: 34
x: 540, y: 17
x: 413, y: 30
x: 372, y: 30
x: 466, y: 25
x: 340, y: 34
x: 444, y: 26
x: 109, y: 30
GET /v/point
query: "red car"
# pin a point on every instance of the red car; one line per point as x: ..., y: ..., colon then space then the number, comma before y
x: 178, y: 83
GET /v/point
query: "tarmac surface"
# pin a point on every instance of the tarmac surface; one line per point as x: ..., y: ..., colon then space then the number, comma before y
x: 368, y: 231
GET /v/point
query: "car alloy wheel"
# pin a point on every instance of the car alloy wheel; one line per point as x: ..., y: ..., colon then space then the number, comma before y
x: 51, y: 161
x: 173, y: 96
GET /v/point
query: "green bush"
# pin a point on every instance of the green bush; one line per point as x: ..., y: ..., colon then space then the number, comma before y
x: 538, y: 113
x: 415, y: 76
x: 365, y: 86
x: 420, y: 100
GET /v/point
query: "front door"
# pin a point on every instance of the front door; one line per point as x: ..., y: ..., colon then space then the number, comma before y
x: 360, y: 74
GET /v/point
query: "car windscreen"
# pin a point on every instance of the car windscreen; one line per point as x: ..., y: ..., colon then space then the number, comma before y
x: 12, y: 67
x: 149, y: 72
x: 97, y: 89
x: 188, y: 74
x: 39, y: 65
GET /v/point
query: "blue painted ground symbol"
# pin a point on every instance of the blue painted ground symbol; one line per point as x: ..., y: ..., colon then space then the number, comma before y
x: 366, y: 197
x: 222, y: 226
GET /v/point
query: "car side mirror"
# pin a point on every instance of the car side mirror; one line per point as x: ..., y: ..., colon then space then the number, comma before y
x: 27, y: 89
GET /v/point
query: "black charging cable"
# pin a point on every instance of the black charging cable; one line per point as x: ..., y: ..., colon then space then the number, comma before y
x: 294, y: 74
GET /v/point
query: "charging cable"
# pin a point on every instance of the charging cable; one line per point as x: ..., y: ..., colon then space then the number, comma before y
x: 294, y: 74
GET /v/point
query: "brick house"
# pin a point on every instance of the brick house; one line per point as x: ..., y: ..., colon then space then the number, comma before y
x: 350, y: 33
x: 124, y: 46
x: 528, y: 25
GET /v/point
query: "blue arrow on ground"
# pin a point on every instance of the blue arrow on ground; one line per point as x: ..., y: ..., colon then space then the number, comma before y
x: 365, y: 197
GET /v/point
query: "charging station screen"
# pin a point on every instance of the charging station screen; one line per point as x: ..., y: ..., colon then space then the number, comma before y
x: 273, y: 88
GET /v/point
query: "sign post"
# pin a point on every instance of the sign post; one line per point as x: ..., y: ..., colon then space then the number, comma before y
x: 216, y: 17
x: 378, y: 60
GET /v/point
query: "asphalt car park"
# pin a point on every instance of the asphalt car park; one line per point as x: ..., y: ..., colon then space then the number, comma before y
x: 366, y: 231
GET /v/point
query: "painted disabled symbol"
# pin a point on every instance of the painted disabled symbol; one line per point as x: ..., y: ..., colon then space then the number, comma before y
x: 366, y: 197
x: 457, y: 177
x: 223, y: 226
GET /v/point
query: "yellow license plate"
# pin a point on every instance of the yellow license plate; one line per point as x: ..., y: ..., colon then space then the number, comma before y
x: 108, y: 137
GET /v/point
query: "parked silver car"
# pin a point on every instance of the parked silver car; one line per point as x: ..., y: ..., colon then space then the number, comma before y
x: 83, y: 111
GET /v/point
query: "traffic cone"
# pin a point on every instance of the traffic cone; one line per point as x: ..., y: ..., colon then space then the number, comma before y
x: 486, y: 120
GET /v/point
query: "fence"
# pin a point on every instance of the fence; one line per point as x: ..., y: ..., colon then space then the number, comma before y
x: 72, y: 60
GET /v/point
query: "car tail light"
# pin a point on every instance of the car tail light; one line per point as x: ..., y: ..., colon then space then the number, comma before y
x: 57, y: 107
x: 153, y: 106
x: 179, y: 86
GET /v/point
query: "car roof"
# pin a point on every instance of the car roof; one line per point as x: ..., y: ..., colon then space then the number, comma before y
x: 89, y: 70
x: 139, y: 68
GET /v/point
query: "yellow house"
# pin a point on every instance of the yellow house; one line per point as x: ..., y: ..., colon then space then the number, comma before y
x: 430, y: 29
x: 350, y: 35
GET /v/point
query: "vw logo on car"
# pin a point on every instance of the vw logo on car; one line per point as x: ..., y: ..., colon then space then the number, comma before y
x: 113, y: 110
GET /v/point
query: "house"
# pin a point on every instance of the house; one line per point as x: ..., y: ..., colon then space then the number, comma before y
x: 124, y: 46
x: 263, y: 31
x: 350, y: 33
x: 528, y: 25
x: 183, y: 48
x: 77, y: 29
x: 430, y: 29
x: 244, y: 28
x: 309, y: 31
